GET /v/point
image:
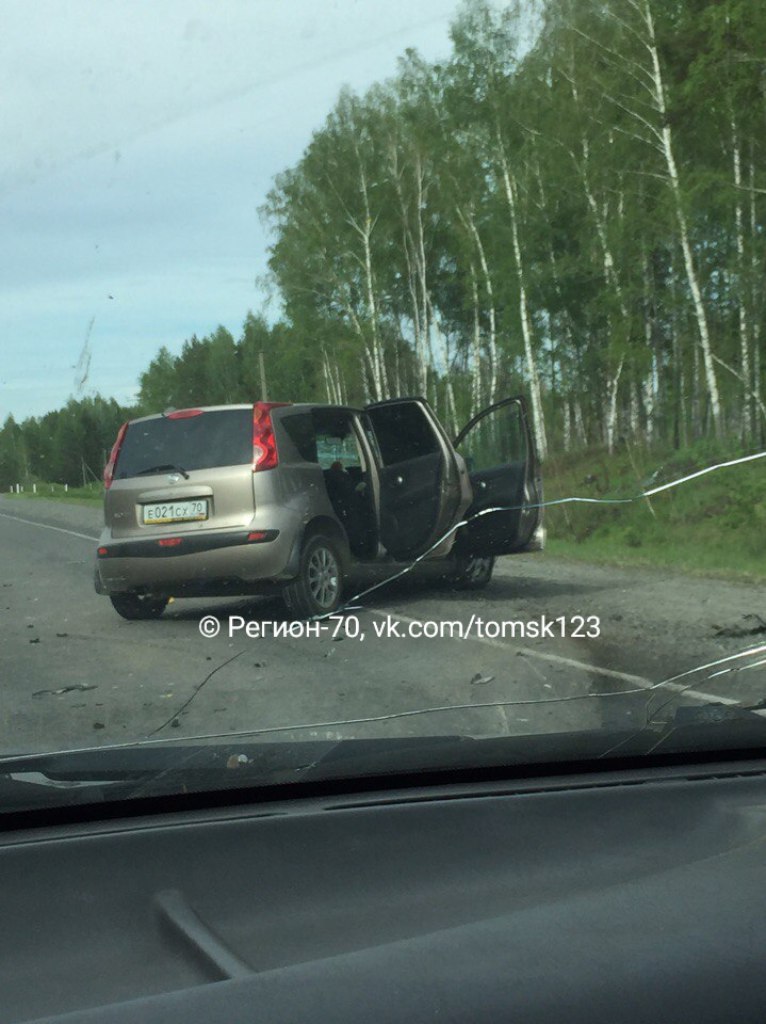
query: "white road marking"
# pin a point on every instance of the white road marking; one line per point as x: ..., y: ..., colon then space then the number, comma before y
x: 583, y: 666
x: 45, y: 526
x: 528, y: 652
x: 531, y: 652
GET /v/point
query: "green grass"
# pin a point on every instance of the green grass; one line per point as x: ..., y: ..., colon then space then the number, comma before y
x: 714, y: 525
x: 92, y: 496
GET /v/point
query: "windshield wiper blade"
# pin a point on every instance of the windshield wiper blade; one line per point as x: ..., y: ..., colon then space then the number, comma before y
x: 165, y: 468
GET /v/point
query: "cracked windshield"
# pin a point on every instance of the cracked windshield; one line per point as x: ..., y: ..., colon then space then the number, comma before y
x: 380, y: 378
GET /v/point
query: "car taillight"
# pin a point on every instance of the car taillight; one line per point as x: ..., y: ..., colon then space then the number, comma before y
x: 111, y: 465
x: 264, y: 443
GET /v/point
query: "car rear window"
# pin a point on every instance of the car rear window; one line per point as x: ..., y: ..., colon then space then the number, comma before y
x: 223, y: 438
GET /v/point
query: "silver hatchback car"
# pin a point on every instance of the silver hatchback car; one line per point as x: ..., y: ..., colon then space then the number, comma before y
x: 238, y: 499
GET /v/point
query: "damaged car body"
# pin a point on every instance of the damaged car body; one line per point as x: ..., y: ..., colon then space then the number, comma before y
x: 235, y: 500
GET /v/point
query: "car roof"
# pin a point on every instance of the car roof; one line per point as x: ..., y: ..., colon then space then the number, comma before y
x: 293, y: 406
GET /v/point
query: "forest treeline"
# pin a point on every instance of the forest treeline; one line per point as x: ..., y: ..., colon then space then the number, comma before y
x: 571, y: 205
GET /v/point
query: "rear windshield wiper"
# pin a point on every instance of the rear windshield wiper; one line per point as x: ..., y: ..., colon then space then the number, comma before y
x: 168, y: 467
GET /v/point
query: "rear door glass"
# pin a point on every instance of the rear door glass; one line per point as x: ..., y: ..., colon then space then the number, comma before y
x: 331, y: 450
x: 402, y: 432
x: 299, y: 427
x: 497, y: 439
x: 210, y: 439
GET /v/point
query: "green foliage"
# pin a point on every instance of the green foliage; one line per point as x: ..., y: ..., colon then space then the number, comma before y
x: 219, y: 370
x: 64, y: 446
x: 12, y: 454
x: 576, y: 120
x: 713, y: 523
x: 394, y: 245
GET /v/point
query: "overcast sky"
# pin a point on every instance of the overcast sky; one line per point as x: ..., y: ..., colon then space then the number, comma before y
x: 137, y: 140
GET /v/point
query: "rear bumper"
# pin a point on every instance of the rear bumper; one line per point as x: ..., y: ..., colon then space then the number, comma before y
x: 169, y: 547
x: 198, y: 563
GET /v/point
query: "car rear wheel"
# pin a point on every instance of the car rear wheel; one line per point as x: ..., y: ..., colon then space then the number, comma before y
x: 138, y: 606
x: 318, y: 587
x: 470, y: 572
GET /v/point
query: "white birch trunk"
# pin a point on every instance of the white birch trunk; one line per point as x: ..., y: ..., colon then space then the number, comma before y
x: 469, y: 222
x: 755, y: 284
x: 340, y: 388
x: 567, y: 424
x: 611, y: 414
x: 476, y: 350
x: 697, y: 424
x: 412, y: 262
x: 610, y: 275
x: 649, y: 392
x: 425, y: 318
x: 378, y: 367
x: 326, y: 375
x: 538, y: 421
x: 742, y: 310
x: 633, y: 416
x: 421, y: 357
x: 365, y: 377
x: 650, y: 386
x: 666, y: 140
x: 582, y: 433
x: 445, y: 357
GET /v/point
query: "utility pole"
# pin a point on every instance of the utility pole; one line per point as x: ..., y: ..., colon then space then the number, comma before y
x: 262, y: 366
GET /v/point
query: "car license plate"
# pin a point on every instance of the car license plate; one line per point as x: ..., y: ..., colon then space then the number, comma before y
x: 175, y: 511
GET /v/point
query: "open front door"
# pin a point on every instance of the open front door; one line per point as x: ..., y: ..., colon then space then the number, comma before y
x: 499, y: 452
x: 418, y: 475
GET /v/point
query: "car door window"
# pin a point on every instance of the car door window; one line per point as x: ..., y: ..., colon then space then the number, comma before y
x: 497, y: 439
x: 497, y: 449
x: 336, y: 440
x: 403, y: 432
x: 299, y: 427
x: 332, y: 449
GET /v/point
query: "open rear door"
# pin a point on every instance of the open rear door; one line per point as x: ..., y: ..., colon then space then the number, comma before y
x: 418, y: 475
x: 499, y: 451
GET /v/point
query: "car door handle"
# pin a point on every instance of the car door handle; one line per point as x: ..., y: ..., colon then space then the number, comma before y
x: 482, y: 485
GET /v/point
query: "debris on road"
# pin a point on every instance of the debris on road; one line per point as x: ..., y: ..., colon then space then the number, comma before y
x: 74, y: 688
x: 751, y: 625
x: 480, y: 680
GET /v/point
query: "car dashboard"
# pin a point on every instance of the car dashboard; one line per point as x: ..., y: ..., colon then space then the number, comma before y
x: 620, y: 895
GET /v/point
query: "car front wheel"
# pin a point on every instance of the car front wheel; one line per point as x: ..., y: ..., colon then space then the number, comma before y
x: 138, y: 606
x: 318, y: 587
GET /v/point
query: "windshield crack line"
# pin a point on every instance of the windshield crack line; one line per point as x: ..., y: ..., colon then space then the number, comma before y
x: 197, y: 689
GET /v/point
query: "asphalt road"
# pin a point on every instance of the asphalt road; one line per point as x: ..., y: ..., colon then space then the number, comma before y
x: 73, y: 674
